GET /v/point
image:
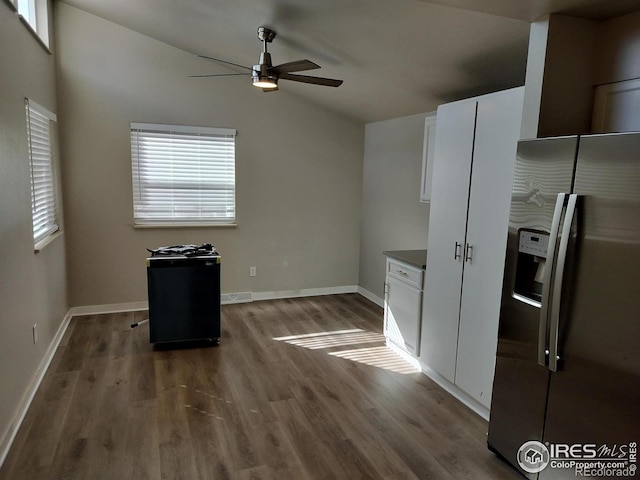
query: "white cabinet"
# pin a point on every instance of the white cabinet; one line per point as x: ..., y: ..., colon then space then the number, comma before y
x: 427, y: 158
x: 474, y: 157
x: 616, y: 107
x: 403, y: 305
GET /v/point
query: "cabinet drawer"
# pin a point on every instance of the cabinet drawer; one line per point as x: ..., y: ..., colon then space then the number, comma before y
x: 407, y: 273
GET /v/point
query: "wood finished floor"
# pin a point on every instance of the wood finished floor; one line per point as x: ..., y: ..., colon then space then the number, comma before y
x: 298, y: 389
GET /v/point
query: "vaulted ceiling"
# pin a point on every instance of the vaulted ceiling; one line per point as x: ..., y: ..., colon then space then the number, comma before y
x: 396, y: 57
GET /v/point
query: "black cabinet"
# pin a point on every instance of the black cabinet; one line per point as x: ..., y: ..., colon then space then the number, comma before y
x: 184, y: 298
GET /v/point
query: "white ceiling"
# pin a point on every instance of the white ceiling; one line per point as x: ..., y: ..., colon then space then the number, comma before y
x: 396, y: 57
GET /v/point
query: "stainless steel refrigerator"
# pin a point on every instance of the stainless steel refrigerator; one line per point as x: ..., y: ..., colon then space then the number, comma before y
x: 568, y: 357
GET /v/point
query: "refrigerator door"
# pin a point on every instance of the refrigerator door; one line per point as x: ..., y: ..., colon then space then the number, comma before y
x: 544, y: 168
x: 595, y: 395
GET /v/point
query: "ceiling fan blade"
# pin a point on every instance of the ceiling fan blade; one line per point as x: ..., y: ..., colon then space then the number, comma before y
x: 296, y: 66
x: 327, y: 82
x: 223, y: 61
x: 219, y: 75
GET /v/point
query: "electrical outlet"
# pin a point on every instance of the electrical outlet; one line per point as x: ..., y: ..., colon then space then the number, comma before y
x: 35, y: 333
x: 252, y: 271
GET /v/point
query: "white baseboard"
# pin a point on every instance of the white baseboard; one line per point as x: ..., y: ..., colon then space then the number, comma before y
x: 226, y: 299
x: 371, y: 296
x: 456, y: 392
x: 25, y: 402
x: 240, y: 297
x: 308, y: 292
x: 108, y: 308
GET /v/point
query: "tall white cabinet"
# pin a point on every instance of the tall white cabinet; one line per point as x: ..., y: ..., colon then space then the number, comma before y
x: 474, y: 156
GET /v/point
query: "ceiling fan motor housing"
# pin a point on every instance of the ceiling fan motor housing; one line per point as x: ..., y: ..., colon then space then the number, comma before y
x: 260, y: 73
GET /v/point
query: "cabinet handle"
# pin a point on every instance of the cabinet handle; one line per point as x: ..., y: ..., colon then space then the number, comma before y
x: 456, y: 253
x: 468, y: 255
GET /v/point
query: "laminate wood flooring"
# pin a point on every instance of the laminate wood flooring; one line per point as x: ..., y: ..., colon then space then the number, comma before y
x: 298, y: 389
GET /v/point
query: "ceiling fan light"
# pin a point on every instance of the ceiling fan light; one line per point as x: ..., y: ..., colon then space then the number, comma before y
x: 265, y: 82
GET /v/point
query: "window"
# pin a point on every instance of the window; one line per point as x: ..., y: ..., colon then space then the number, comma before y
x: 182, y: 175
x: 35, y: 15
x: 27, y: 8
x: 40, y: 136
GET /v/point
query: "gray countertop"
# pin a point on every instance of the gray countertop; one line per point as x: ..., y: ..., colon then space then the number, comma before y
x: 416, y: 258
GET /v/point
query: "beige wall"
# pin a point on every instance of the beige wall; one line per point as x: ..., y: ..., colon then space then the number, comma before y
x: 299, y: 168
x: 568, y: 57
x: 33, y: 289
x: 618, y: 50
x: 392, y: 216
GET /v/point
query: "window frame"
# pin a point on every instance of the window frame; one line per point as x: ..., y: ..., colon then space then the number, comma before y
x: 41, y: 138
x: 163, y: 135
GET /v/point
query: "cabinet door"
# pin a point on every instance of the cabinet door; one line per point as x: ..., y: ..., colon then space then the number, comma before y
x: 427, y: 158
x: 402, y: 315
x: 616, y: 107
x: 447, y: 226
x: 497, y: 133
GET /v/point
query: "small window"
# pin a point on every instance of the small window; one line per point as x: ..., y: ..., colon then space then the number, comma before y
x: 40, y: 136
x: 35, y: 14
x: 27, y: 8
x: 182, y: 175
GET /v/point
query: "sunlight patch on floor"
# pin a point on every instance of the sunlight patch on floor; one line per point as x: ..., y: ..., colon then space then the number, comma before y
x: 378, y: 356
x: 381, y: 357
x: 338, y: 338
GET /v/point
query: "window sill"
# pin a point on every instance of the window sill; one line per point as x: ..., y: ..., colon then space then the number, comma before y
x: 38, y: 247
x: 185, y: 225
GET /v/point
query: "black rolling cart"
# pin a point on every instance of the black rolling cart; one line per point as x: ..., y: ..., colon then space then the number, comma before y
x: 184, y: 294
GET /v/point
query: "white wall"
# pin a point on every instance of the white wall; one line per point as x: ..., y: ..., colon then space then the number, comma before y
x: 392, y: 216
x: 299, y: 168
x: 33, y: 287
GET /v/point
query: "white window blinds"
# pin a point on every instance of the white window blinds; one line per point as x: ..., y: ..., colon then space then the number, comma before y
x: 183, y: 174
x: 43, y: 185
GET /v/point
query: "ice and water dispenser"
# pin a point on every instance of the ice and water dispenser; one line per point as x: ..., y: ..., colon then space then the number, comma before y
x: 532, y: 257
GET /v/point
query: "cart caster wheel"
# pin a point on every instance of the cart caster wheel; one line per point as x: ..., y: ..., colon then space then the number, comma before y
x: 216, y: 341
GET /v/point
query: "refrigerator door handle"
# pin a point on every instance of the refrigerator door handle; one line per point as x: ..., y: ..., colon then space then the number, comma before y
x: 557, y: 284
x: 543, y: 350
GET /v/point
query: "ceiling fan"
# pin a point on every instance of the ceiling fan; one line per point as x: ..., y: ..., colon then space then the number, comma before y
x: 265, y: 76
